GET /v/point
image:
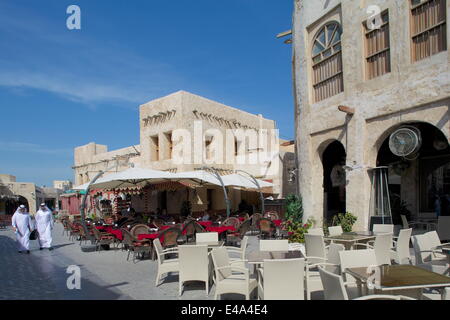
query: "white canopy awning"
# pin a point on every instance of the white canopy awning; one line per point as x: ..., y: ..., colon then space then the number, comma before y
x: 200, y: 177
x: 134, y: 177
x: 237, y: 180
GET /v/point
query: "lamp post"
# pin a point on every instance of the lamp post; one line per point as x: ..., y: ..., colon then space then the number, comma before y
x: 255, y: 181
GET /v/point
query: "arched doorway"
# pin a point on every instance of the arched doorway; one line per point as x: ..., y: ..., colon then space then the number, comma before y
x: 334, y: 180
x: 419, y: 184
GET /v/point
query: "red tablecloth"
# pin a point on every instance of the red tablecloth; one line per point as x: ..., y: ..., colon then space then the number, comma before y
x: 220, y: 229
x: 151, y: 236
x: 277, y: 222
x: 241, y: 219
x: 115, y: 232
x: 205, y: 224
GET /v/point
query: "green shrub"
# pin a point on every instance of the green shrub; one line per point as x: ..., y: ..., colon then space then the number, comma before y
x: 296, y: 230
x: 345, y: 220
x: 294, y: 208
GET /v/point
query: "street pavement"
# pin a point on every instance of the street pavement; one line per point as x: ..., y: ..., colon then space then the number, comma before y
x: 105, y: 275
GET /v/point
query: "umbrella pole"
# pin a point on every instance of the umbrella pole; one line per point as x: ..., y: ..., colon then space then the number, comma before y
x: 217, y: 175
x: 261, y: 196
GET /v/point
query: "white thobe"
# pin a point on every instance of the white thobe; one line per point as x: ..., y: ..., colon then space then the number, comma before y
x: 21, y: 221
x: 44, y: 226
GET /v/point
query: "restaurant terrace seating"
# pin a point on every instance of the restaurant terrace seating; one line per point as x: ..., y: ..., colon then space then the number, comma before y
x: 335, y: 231
x: 240, y: 252
x: 193, y: 265
x: 355, y: 259
x: 139, y: 229
x: 383, y: 228
x: 101, y: 239
x: 427, y: 256
x: 382, y: 247
x: 401, y: 254
x: 134, y: 245
x: 206, y: 237
x: 267, y: 228
x: 231, y: 278
x: 282, y: 279
x: 169, y: 237
x: 165, y: 265
x: 235, y: 237
x: 273, y: 245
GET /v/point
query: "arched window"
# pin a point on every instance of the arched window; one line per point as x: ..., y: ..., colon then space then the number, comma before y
x: 327, y: 62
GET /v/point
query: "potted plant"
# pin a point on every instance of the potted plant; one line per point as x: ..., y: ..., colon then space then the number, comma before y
x: 345, y: 220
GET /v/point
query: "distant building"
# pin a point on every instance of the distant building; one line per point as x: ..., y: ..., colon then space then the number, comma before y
x: 216, y: 127
x: 63, y: 185
x: 13, y: 194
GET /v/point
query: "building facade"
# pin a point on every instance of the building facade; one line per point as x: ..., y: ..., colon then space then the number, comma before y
x: 363, y: 70
x: 184, y: 132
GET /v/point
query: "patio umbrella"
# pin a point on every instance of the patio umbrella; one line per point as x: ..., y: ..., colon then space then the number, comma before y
x: 237, y: 180
x: 199, y: 177
x: 133, y: 177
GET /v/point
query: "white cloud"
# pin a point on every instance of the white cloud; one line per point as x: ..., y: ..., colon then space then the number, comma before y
x: 32, y: 148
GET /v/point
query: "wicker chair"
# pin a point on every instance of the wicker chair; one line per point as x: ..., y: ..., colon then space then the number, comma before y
x: 272, y: 215
x: 189, y: 230
x: 236, y: 237
x: 137, y: 247
x: 74, y: 231
x: 267, y: 228
x: 169, y: 237
x: 139, y: 229
x: 158, y: 223
x: 255, y: 222
x: 232, y: 222
x: 102, y: 238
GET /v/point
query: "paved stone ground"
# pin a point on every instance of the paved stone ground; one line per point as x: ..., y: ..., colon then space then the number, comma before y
x: 105, y: 275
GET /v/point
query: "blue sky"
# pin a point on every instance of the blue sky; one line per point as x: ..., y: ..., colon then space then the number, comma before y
x: 63, y: 88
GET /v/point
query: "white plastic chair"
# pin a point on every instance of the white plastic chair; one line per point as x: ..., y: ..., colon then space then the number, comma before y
x: 382, y: 247
x: 204, y: 237
x: 194, y: 265
x: 229, y: 277
x: 238, y: 251
x: 316, y: 255
x: 335, y: 289
x: 427, y: 256
x: 282, y: 280
x: 333, y: 285
x: 274, y: 245
x: 165, y: 265
x: 356, y: 259
x: 409, y: 224
x: 383, y: 228
x: 401, y: 254
x: 335, y: 231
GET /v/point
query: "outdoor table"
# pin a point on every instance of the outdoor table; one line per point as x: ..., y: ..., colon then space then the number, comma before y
x: 115, y: 232
x: 151, y: 236
x: 210, y: 245
x: 401, y: 279
x: 220, y: 230
x: 350, y: 238
x: 205, y: 224
x: 257, y: 257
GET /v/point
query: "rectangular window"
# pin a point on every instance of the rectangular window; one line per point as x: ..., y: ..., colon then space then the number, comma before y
x: 428, y: 28
x: 378, y: 56
x: 154, y: 148
x: 169, y: 145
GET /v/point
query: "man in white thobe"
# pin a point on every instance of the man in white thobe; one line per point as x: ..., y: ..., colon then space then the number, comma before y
x: 44, y: 226
x: 21, y: 223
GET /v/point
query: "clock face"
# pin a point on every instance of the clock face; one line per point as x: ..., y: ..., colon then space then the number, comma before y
x: 404, y: 142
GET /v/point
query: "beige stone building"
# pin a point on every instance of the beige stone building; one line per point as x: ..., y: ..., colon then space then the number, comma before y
x: 24, y: 193
x: 184, y: 132
x: 360, y: 76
